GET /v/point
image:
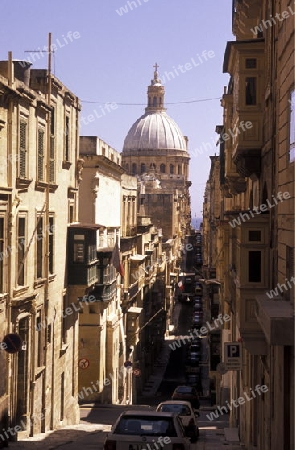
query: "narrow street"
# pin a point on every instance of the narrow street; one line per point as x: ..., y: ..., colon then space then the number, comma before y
x: 96, y: 420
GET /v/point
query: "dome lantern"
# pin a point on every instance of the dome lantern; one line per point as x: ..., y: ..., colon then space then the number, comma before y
x: 155, y: 93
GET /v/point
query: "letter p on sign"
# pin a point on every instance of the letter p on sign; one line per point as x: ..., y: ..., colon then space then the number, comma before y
x: 233, y: 351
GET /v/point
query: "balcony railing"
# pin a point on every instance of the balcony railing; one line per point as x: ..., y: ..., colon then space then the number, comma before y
x: 105, y: 293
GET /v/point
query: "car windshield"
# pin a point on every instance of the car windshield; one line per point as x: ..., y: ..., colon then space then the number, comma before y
x: 149, y: 426
x: 183, y: 410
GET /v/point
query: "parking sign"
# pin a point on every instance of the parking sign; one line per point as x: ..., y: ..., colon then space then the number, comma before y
x: 233, y: 355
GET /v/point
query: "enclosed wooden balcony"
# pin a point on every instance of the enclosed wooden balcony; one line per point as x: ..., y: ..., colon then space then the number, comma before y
x: 244, y: 60
x: 81, y: 255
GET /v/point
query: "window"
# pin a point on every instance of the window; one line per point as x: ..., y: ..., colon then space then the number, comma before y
x: 67, y: 140
x: 251, y: 63
x: 254, y: 266
x: 179, y: 169
x: 22, y: 167
x: 63, y: 320
x: 40, y: 251
x: 52, y: 162
x: 71, y: 214
x: 21, y: 240
x: 51, y: 245
x: 292, y: 126
x: 250, y: 91
x: 254, y: 235
x: 39, y: 349
x: 79, y: 248
x: 52, y: 122
x: 171, y: 168
x: 1, y: 254
x: 40, y: 162
x: 142, y: 168
x: 162, y: 168
x: 134, y: 169
x: 290, y: 272
x: 52, y: 148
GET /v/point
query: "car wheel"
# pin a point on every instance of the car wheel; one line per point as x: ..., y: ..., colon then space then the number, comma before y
x: 195, y: 435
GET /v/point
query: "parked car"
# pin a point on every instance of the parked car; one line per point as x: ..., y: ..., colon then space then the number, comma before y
x: 138, y: 429
x: 197, y: 321
x: 186, y: 414
x: 198, y: 313
x: 195, y: 347
x: 193, y: 379
x: 194, y: 358
x: 187, y: 393
x: 197, y: 301
x: 197, y: 306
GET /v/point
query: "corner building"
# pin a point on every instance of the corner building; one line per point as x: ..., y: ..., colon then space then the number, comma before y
x: 155, y: 151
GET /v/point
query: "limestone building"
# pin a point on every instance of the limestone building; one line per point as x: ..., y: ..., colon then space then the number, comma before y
x: 38, y: 199
x: 101, y: 333
x: 255, y: 227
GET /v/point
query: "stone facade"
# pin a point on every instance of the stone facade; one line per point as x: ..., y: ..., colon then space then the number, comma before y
x: 38, y: 199
x: 101, y: 335
x: 255, y: 230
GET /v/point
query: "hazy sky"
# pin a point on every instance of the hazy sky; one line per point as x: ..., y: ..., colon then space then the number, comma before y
x: 105, y: 51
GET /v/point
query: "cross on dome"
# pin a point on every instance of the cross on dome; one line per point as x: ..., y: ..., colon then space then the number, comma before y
x: 156, y: 75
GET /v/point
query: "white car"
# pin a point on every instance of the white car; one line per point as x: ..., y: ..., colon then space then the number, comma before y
x: 147, y: 430
x: 186, y: 413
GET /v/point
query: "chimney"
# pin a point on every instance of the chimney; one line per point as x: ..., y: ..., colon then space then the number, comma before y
x: 20, y: 70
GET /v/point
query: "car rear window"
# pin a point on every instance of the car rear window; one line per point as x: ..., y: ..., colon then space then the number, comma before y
x: 184, y: 390
x: 183, y: 410
x: 149, y: 426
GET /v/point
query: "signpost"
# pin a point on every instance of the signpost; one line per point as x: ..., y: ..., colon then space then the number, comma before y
x: 233, y: 355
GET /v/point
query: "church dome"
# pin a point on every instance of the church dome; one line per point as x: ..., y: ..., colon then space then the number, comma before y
x: 155, y: 129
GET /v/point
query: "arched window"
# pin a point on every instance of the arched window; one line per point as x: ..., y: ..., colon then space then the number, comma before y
x: 155, y: 101
x: 142, y: 168
x: 162, y: 168
x: 134, y: 169
x: 179, y: 169
x: 171, y: 168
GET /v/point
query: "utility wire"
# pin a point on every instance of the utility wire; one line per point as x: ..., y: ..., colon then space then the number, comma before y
x: 144, y: 104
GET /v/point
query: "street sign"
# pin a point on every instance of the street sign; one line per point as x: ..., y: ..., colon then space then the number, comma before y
x: 233, y: 355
